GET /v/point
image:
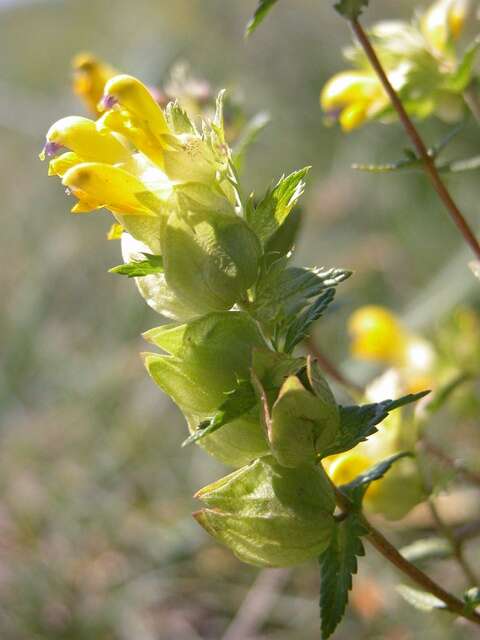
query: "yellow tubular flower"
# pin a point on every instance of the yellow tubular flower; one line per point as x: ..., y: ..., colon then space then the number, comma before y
x: 119, y: 122
x: 90, y: 76
x: 443, y: 23
x: 377, y: 335
x: 133, y: 97
x: 81, y: 136
x: 61, y: 164
x: 352, y: 96
x: 99, y: 185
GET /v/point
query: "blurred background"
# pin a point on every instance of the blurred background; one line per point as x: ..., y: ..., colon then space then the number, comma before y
x: 96, y: 537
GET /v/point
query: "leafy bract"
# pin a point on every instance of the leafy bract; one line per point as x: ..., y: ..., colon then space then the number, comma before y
x: 337, y: 565
x: 299, y: 327
x: 238, y: 402
x: 140, y: 268
x: 264, y: 6
x: 357, y: 423
x: 270, y: 213
x: 357, y: 488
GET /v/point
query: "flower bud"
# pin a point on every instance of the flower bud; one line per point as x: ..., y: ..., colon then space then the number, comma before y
x: 210, y: 258
x: 208, y: 358
x: 269, y: 515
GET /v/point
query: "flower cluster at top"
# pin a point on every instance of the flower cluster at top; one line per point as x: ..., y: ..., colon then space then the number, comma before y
x: 422, y: 62
x: 217, y: 266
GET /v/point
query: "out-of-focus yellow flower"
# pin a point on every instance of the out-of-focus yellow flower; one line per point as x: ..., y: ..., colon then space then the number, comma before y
x: 377, y: 335
x: 443, y: 23
x: 352, y: 97
x: 90, y: 75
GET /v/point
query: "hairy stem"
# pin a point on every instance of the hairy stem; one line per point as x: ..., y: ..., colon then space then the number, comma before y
x: 394, y: 557
x: 427, y: 160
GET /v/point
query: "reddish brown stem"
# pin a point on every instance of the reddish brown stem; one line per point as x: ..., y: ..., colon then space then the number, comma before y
x: 427, y: 160
x: 390, y: 553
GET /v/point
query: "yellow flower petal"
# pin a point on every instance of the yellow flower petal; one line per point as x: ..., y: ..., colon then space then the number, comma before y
x: 120, y: 122
x: 134, y: 96
x: 443, y: 22
x: 353, y: 116
x: 99, y: 185
x: 348, y: 87
x: 81, y: 136
x: 61, y: 164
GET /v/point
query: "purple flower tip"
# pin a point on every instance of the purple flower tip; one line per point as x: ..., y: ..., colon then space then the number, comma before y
x: 108, y: 101
x: 51, y: 149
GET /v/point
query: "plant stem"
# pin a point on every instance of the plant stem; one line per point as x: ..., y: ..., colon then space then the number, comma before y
x: 471, y: 476
x: 456, y: 545
x: 390, y: 553
x: 427, y: 160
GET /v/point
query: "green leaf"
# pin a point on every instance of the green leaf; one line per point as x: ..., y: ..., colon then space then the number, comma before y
x: 264, y: 6
x: 337, y: 565
x: 300, y: 326
x: 351, y: 9
x: 282, y: 293
x: 358, y: 486
x: 178, y: 119
x: 141, y: 268
x: 248, y: 136
x: 273, y: 209
x: 357, y: 423
x: 284, y: 238
x: 421, y: 600
x: 427, y: 549
x: 239, y: 401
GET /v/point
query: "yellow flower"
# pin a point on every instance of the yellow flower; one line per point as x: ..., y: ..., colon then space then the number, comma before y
x: 352, y: 97
x: 160, y: 178
x: 376, y: 335
x: 80, y: 136
x: 90, y: 75
x: 443, y: 23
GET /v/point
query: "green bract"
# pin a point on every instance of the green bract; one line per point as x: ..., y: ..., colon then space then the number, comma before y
x: 210, y: 258
x: 209, y: 356
x: 303, y: 424
x: 269, y: 515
